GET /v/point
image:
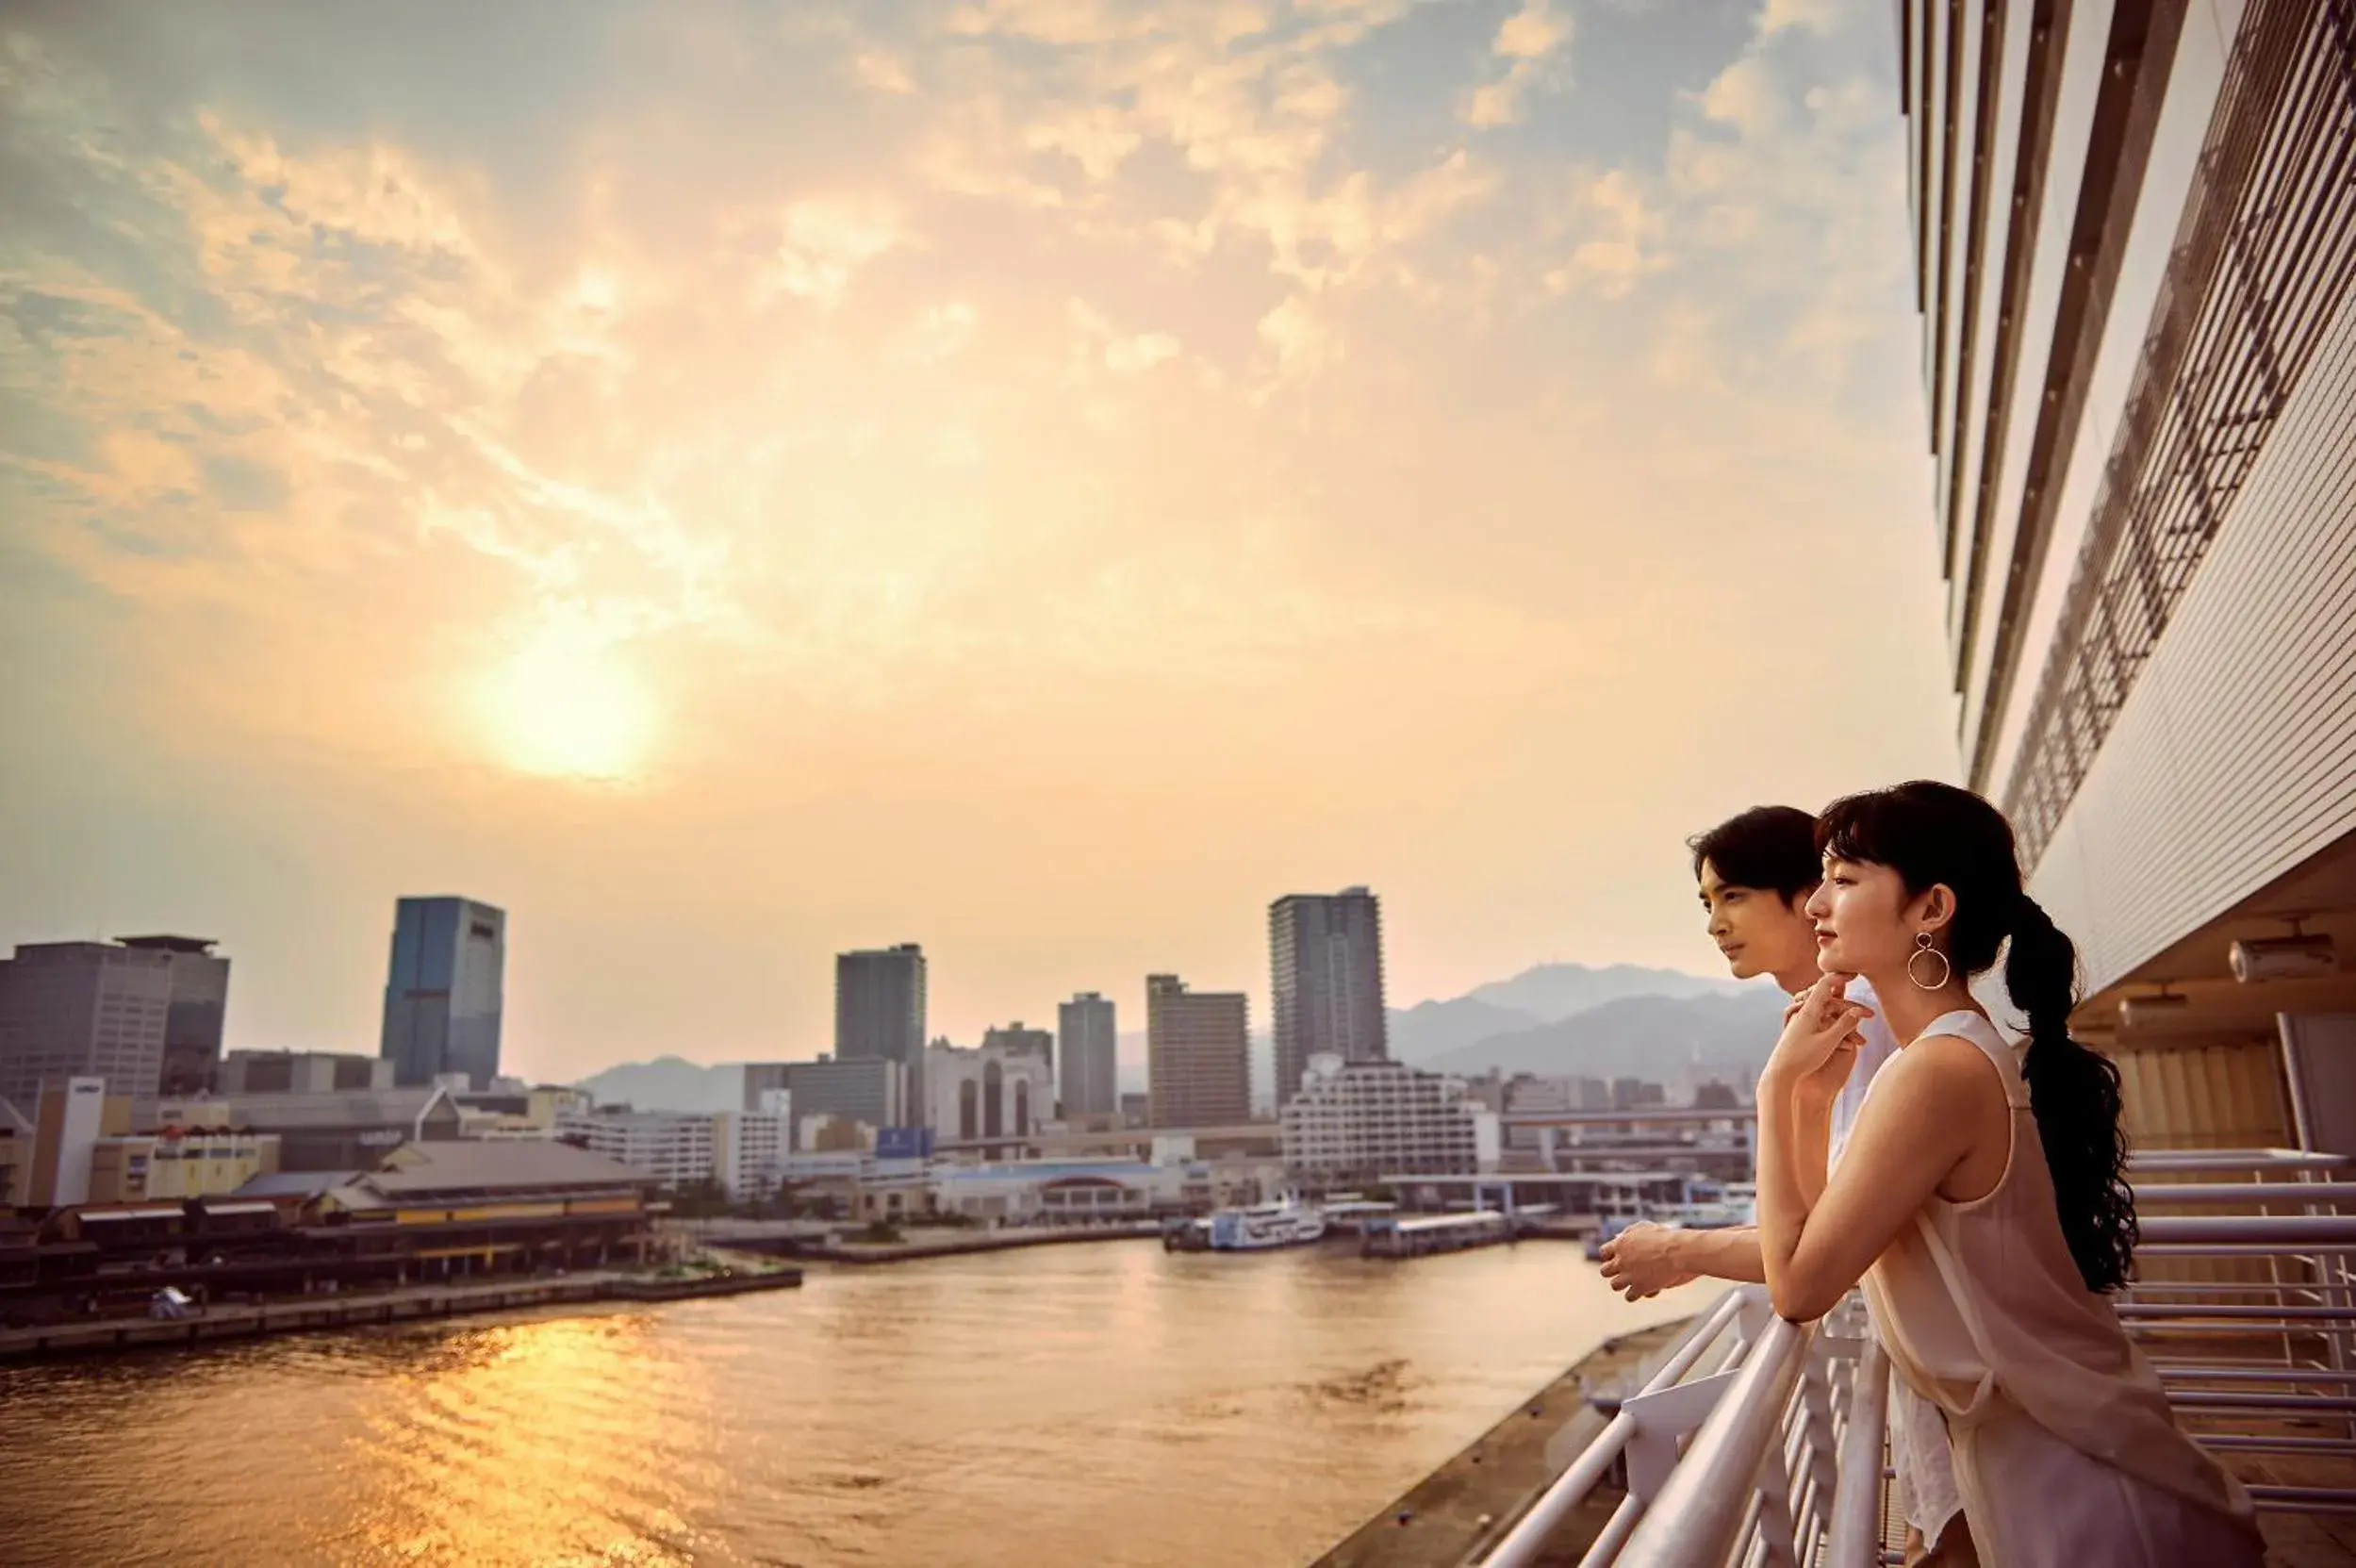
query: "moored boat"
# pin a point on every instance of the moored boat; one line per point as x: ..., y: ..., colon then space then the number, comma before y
x: 1262, y: 1226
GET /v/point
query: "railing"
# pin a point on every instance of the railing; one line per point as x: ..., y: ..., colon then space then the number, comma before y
x: 1760, y: 1442
x: 1762, y: 1401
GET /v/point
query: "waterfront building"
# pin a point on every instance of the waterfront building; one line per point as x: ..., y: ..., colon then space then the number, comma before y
x: 443, y: 996
x: 1325, y: 956
x: 281, y: 1072
x: 80, y: 1147
x: 194, y: 1011
x: 16, y: 1157
x: 879, y: 1011
x: 519, y: 1111
x: 1197, y: 1055
x: 1088, y: 1041
x: 70, y: 1118
x: 869, y: 1091
x: 673, y: 1148
x: 178, y: 1163
x: 1356, y: 1121
x: 339, y: 1130
x: 83, y: 1009
x: 2138, y: 344
x: 995, y: 1091
x: 1054, y: 1191
x: 737, y: 1151
x: 749, y: 1147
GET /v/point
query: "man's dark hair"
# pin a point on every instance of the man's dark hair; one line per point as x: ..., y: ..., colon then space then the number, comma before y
x: 1765, y: 847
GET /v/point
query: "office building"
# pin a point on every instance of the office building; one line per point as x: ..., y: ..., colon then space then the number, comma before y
x: 1325, y: 957
x: 2138, y: 349
x: 1199, y: 1065
x: 193, y: 1014
x: 1088, y: 1039
x: 1633, y: 1094
x: 763, y: 1078
x: 880, y: 1010
x: 737, y: 1151
x: 83, y: 1009
x: 296, y: 1072
x: 1359, y: 1121
x: 1016, y: 1037
x: 997, y: 1090
x: 442, y: 999
x: 867, y: 1091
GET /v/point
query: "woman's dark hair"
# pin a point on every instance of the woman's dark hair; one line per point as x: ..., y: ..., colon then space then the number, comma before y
x: 1930, y: 833
x: 1765, y: 847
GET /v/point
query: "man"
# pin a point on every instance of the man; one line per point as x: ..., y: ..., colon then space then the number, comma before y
x: 1756, y: 874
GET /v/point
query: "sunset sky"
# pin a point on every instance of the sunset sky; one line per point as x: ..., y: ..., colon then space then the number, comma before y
x: 1039, y: 478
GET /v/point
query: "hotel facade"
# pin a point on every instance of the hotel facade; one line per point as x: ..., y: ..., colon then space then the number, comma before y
x: 2135, y: 234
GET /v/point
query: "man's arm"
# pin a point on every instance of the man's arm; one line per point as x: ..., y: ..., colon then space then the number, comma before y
x: 1646, y: 1259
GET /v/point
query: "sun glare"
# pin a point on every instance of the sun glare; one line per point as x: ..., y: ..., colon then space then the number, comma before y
x: 561, y: 709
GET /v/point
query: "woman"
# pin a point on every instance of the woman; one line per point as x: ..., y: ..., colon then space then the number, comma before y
x: 1979, y: 1196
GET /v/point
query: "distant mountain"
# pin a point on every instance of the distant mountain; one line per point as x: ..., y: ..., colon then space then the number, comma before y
x: 670, y: 1084
x: 1652, y: 1037
x: 1552, y: 992
x: 1434, y: 1029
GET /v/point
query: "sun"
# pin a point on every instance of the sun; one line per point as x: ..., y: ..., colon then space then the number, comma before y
x: 565, y: 707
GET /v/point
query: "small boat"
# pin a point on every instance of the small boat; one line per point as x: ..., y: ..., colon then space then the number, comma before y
x: 1287, y: 1222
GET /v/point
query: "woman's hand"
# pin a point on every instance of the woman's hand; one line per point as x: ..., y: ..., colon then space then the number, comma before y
x: 1819, y: 1046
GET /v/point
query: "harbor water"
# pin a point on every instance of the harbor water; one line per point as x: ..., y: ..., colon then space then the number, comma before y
x: 1108, y: 1404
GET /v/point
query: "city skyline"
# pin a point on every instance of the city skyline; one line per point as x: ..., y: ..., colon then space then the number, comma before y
x: 738, y: 486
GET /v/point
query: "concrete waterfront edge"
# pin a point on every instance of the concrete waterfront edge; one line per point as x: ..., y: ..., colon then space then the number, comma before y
x: 362, y: 1309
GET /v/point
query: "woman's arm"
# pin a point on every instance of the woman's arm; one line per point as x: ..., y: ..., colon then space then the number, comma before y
x: 1818, y: 1236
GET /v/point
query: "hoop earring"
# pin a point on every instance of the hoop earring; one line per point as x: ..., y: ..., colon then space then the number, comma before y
x: 1922, y: 949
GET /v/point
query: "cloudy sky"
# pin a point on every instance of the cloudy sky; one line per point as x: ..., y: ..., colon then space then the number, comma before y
x: 1039, y: 478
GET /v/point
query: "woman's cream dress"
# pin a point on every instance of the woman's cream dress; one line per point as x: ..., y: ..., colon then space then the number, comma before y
x: 2065, y: 1449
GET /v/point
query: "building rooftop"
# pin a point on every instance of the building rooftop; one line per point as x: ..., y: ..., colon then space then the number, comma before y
x: 295, y: 1184
x: 172, y: 944
x: 466, y: 1165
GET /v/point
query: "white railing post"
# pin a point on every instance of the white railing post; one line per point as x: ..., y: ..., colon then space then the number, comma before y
x: 1855, y: 1534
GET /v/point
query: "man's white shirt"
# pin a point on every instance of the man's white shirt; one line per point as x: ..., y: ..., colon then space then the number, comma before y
x: 1918, y: 1434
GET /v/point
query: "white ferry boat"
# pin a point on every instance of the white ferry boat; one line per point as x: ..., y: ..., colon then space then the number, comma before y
x: 1287, y: 1222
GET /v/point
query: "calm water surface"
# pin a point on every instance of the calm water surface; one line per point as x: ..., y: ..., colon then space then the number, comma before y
x: 1109, y: 1404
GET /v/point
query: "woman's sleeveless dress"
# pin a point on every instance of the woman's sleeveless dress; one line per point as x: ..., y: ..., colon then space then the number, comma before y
x: 2065, y: 1449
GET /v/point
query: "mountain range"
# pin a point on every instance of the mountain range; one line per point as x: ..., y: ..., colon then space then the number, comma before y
x: 1557, y: 1019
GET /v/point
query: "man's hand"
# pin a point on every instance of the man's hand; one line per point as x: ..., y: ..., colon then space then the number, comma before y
x: 1639, y: 1262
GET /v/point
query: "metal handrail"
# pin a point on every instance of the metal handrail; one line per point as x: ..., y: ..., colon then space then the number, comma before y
x: 2234, y: 1159
x: 2246, y: 1191
x: 1856, y: 1512
x: 1521, y: 1545
x: 1698, y: 1514
x: 1772, y: 1475
x: 2330, y: 1232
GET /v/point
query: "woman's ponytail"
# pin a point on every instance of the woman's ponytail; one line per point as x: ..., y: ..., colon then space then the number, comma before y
x: 2074, y: 1093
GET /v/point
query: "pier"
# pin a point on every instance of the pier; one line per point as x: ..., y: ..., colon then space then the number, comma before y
x: 224, y: 1322
x: 1422, y: 1235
